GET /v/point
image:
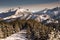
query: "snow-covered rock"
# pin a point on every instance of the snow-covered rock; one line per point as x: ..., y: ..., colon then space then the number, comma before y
x: 39, y: 16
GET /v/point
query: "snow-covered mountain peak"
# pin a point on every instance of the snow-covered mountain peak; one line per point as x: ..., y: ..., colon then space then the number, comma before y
x: 22, y: 11
x: 19, y: 13
x: 41, y: 16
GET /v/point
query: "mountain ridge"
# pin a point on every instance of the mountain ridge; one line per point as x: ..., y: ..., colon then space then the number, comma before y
x: 46, y: 14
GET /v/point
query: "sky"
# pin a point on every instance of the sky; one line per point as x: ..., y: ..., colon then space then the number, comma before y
x: 30, y: 4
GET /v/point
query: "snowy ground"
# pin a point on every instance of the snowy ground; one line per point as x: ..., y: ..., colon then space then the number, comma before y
x: 22, y: 36
x: 17, y: 36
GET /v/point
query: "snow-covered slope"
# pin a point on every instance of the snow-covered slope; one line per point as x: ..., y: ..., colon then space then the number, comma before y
x: 17, y: 36
x: 53, y: 13
x: 19, y: 13
x: 46, y: 15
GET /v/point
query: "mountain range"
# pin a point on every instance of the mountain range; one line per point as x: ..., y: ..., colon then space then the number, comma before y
x: 45, y: 15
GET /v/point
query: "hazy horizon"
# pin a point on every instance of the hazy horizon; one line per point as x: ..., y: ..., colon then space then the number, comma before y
x: 33, y: 5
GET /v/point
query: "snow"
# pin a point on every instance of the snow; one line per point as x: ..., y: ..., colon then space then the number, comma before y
x: 17, y: 36
x: 29, y: 17
x: 42, y: 17
x: 45, y: 11
x: 56, y: 12
x: 54, y: 35
x: 19, y: 11
x: 22, y: 36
